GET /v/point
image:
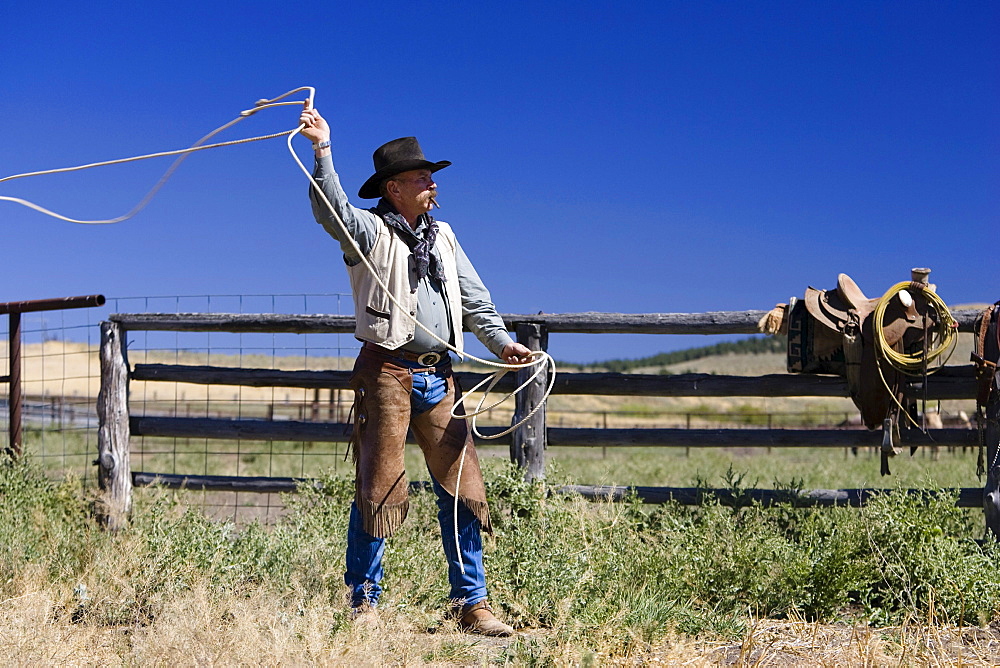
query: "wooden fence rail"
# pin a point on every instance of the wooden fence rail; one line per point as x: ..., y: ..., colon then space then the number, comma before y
x: 966, y: 497
x: 529, y: 442
x: 719, y: 322
x: 955, y: 383
x: 334, y: 432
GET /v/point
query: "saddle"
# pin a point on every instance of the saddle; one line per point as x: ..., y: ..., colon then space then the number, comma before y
x: 834, y: 332
x: 986, y: 356
x: 986, y: 352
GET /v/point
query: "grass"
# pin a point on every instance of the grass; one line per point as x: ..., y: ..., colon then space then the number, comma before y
x: 587, y: 583
x: 827, y: 468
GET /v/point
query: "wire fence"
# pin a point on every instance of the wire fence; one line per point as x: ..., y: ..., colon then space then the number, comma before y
x: 61, y: 381
x: 204, y: 456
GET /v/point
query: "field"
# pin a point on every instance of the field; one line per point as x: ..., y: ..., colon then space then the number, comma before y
x: 896, y: 582
x: 899, y: 582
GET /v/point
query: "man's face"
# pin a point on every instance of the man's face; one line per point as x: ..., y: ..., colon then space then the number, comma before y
x: 417, y: 189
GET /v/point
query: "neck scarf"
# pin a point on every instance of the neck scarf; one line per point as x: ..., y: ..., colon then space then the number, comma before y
x: 426, y: 258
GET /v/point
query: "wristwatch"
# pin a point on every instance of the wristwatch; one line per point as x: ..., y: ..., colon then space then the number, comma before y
x: 321, y: 145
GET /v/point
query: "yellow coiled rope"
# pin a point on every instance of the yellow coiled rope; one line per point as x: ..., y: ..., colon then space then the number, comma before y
x: 941, y: 340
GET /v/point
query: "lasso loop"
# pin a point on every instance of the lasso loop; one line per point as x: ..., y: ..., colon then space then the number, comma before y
x: 183, y: 153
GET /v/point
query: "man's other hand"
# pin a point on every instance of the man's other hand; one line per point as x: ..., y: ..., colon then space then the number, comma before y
x: 515, y: 353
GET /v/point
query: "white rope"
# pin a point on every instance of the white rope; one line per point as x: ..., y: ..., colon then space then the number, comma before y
x: 541, y: 356
x: 183, y: 153
x: 454, y: 512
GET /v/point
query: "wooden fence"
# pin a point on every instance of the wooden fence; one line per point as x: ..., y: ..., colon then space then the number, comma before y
x: 528, y: 443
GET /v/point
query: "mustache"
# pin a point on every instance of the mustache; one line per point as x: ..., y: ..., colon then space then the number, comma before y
x: 431, y: 197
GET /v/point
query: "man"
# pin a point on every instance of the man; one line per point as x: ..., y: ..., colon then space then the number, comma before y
x: 403, y: 376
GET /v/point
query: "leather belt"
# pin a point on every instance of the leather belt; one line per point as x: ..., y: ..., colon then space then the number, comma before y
x: 427, y: 359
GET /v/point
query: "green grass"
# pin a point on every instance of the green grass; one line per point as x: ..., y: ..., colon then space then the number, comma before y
x: 73, y: 452
x: 598, y: 578
x: 62, y: 452
x: 816, y: 467
x: 826, y: 468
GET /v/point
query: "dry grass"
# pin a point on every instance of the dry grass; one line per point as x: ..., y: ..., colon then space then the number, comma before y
x: 40, y: 627
x: 798, y: 643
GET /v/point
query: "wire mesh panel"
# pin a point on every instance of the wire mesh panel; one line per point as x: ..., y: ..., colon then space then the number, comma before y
x: 237, y: 456
x: 61, y: 380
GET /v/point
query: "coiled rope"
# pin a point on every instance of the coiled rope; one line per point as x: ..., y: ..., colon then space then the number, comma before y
x: 541, y: 359
x: 943, y: 334
x: 942, y: 339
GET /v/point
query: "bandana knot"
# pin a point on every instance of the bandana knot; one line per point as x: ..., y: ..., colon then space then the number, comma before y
x: 426, y: 259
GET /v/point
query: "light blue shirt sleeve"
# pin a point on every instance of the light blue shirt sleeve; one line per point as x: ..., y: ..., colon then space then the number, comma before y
x: 479, y: 315
x: 361, y: 224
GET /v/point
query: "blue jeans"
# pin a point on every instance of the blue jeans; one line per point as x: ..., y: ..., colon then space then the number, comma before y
x: 364, y: 552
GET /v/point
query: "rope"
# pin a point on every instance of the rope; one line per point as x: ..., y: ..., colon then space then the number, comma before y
x: 945, y: 332
x: 541, y: 357
x: 183, y: 153
x: 916, y: 364
x: 454, y: 512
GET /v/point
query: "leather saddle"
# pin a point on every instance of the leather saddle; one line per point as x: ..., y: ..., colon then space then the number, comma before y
x: 986, y: 357
x: 833, y: 332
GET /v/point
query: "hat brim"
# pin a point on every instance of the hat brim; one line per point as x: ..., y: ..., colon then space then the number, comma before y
x: 370, y: 189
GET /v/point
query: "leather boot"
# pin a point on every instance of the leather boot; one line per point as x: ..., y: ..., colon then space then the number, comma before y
x: 478, y: 618
x: 364, y: 615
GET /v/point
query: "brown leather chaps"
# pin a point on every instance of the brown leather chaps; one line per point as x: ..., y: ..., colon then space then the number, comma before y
x: 382, y: 415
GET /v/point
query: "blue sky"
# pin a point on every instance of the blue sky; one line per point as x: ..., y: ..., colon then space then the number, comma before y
x: 650, y: 157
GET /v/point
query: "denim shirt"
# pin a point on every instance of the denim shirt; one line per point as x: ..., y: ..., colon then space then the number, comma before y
x: 479, y: 314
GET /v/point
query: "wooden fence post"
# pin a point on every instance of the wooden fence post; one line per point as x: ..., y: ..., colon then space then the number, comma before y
x: 528, y: 442
x: 114, y: 470
x: 14, y: 380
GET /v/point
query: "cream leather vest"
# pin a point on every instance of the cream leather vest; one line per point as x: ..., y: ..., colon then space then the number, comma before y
x: 378, y: 319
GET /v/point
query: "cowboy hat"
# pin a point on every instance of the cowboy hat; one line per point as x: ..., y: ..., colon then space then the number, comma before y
x: 395, y: 157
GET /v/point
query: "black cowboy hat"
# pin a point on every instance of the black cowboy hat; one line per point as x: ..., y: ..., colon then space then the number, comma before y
x: 395, y: 157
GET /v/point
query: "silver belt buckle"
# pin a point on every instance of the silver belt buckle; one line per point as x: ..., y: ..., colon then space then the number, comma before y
x: 429, y: 359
